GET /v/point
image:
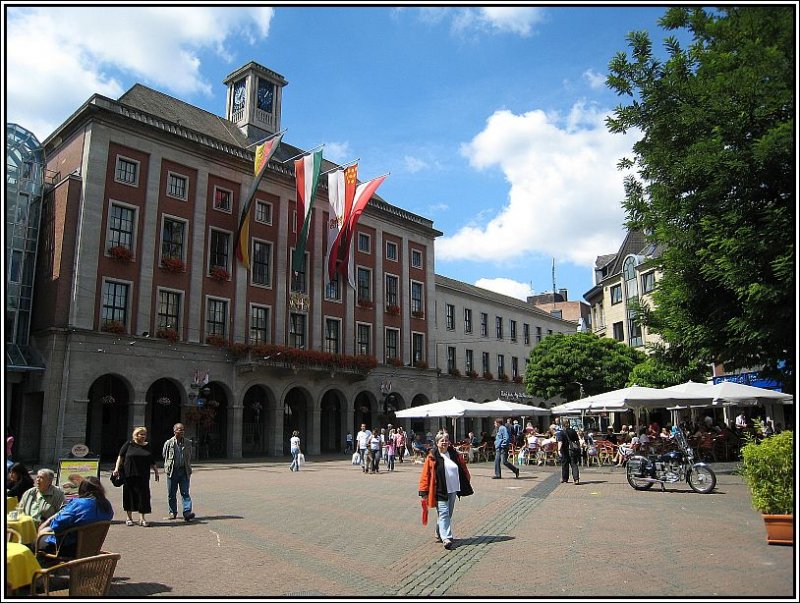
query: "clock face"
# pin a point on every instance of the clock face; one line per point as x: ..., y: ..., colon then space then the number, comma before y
x: 265, y: 92
x: 238, y: 96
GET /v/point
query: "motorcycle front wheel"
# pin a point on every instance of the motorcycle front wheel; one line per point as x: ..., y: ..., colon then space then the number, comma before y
x: 701, y: 479
x: 637, y: 483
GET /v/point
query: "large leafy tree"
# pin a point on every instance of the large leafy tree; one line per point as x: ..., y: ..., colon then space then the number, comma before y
x: 665, y: 366
x: 561, y: 363
x: 715, y: 180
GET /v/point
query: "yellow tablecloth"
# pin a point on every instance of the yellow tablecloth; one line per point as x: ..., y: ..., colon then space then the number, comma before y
x: 20, y: 564
x: 11, y: 503
x: 25, y: 526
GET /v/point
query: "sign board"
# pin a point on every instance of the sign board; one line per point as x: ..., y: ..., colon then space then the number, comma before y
x: 80, y: 450
x: 72, y: 471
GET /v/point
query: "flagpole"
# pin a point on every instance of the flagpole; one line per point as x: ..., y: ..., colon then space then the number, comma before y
x: 344, y: 165
x: 270, y: 137
x: 319, y: 146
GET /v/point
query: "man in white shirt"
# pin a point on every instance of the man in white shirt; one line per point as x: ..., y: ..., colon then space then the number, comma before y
x: 362, y: 441
x: 741, y: 421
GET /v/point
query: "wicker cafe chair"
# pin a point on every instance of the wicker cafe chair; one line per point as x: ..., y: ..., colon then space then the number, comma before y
x: 12, y: 535
x: 87, y: 577
x: 90, y: 538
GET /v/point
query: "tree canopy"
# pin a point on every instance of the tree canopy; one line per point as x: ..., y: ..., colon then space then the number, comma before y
x: 714, y: 180
x: 665, y: 366
x: 562, y: 362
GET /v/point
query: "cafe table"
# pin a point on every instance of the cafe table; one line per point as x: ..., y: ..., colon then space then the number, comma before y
x: 11, y: 503
x: 25, y: 526
x: 21, y: 564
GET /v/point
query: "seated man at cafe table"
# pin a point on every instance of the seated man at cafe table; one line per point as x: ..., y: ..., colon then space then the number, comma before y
x: 44, y: 500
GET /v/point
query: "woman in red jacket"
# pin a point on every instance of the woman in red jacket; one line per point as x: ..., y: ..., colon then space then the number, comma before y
x: 444, y: 477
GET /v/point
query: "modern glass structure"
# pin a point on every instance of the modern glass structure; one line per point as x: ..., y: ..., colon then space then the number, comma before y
x: 24, y: 185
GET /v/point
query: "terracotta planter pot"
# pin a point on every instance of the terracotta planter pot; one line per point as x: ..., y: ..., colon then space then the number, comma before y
x: 780, y: 528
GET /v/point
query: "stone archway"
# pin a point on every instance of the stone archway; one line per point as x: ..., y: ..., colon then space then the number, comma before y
x: 331, y: 438
x: 418, y: 425
x: 254, y: 422
x: 296, y: 405
x: 363, y: 411
x: 107, y: 426
x: 163, y: 410
x: 210, y: 421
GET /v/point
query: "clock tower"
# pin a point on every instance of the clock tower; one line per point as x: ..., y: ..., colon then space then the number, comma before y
x: 254, y: 100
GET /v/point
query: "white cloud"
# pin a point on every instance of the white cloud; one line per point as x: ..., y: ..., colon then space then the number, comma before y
x: 596, y: 80
x: 414, y: 164
x: 159, y: 46
x: 337, y: 151
x: 505, y: 286
x: 437, y: 208
x: 565, y: 190
x: 516, y: 20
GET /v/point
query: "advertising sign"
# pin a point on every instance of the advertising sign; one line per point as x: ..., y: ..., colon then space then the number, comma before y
x: 71, y: 472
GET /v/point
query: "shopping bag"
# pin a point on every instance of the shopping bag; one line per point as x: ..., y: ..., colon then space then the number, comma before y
x: 301, y: 459
x: 424, y: 504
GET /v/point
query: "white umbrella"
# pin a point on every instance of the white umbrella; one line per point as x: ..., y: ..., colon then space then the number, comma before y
x: 738, y: 393
x: 514, y: 408
x: 576, y: 406
x: 446, y: 408
x: 452, y: 408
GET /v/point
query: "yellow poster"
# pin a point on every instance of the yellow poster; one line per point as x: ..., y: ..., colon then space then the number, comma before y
x: 72, y: 471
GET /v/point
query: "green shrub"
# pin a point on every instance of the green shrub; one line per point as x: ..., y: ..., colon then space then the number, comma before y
x: 767, y: 468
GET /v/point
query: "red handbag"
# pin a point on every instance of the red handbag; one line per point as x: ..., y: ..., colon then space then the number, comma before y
x: 424, y: 504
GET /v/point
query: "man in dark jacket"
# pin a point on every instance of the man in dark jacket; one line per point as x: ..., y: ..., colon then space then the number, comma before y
x: 501, y: 442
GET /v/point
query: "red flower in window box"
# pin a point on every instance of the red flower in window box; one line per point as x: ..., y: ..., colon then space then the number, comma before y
x: 216, y: 341
x: 365, y: 303
x: 173, y: 264
x: 421, y: 364
x: 417, y: 313
x: 472, y: 374
x: 113, y: 326
x: 396, y: 361
x: 170, y: 335
x: 454, y: 372
x: 239, y: 350
x: 393, y: 310
x: 488, y: 375
x: 518, y: 379
x: 502, y: 377
x: 120, y: 254
x: 218, y: 273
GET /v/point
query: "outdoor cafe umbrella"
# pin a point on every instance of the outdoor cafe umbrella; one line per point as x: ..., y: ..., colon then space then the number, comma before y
x: 452, y: 408
x: 739, y: 393
x: 514, y: 408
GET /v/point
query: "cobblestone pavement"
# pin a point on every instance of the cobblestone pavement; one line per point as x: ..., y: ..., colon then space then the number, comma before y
x: 332, y: 531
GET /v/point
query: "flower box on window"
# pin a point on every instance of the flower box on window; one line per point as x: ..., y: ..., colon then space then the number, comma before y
x: 502, y: 377
x: 170, y: 335
x: 218, y: 273
x: 173, y: 264
x: 216, y: 341
x: 488, y: 375
x: 454, y: 372
x: 417, y: 313
x: 393, y: 310
x: 120, y: 254
x: 365, y: 303
x: 421, y: 364
x: 472, y: 374
x: 239, y: 350
x: 517, y: 379
x: 396, y: 361
x: 113, y: 326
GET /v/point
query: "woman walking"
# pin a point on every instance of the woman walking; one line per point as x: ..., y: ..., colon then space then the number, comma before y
x: 136, y: 461
x: 294, y: 448
x: 444, y: 477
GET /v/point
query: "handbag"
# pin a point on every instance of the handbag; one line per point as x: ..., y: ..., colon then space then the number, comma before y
x: 119, y: 479
x: 573, y: 446
x: 301, y: 459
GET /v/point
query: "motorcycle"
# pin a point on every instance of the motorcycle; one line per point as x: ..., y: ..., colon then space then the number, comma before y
x: 672, y: 467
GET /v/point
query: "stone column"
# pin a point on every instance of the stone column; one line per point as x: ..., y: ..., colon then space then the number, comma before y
x: 313, y: 437
x: 234, y: 435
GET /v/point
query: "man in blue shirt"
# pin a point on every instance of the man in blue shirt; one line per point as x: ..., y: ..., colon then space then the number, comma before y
x: 501, y: 442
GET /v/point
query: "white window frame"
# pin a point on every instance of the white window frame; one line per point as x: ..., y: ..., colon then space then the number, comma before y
x: 214, y: 199
x: 177, y: 175
x: 325, y: 339
x: 182, y: 294
x: 371, y: 296
x: 128, y: 309
x: 386, y: 357
x: 416, y: 253
x: 171, y: 218
x: 422, y: 298
x: 253, y: 242
x: 423, y: 354
x: 229, y: 254
x: 268, y: 205
x: 268, y: 336
x: 370, y: 345
x: 386, y: 277
x: 391, y: 245
x: 365, y: 237
x: 138, y: 165
x: 135, y: 209
x: 227, y: 301
x: 328, y: 297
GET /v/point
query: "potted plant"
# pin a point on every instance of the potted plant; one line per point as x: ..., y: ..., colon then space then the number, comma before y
x: 393, y: 310
x: 365, y: 302
x: 417, y: 313
x: 173, y: 264
x: 768, y: 470
x: 120, y: 253
x: 218, y: 273
x: 113, y: 326
x: 168, y: 333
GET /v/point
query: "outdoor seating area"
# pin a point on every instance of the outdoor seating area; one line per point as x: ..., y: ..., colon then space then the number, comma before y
x: 82, y: 569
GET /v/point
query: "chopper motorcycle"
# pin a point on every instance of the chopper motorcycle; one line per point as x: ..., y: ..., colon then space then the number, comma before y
x: 671, y: 467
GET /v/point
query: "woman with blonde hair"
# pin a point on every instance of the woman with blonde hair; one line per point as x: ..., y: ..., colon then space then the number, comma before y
x: 136, y: 460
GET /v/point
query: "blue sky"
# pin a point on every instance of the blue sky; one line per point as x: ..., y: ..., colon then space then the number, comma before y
x: 489, y: 119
